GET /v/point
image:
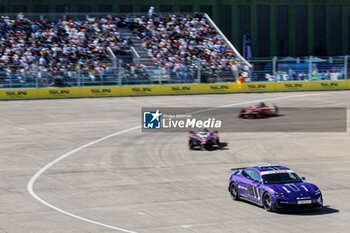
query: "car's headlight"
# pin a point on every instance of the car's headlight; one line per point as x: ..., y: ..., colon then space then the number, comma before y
x: 317, y: 192
x: 319, y: 200
x: 277, y: 194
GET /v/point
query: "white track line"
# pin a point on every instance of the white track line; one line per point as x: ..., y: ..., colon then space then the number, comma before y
x: 43, y: 169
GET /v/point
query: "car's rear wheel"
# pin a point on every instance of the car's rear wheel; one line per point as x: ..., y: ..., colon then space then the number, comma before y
x: 267, y: 202
x: 234, y: 191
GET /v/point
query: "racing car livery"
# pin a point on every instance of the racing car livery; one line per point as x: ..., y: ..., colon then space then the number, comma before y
x: 274, y: 188
x: 259, y: 111
x: 203, y: 138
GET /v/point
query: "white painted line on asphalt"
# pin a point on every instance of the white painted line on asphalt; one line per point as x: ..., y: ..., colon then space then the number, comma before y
x: 268, y: 99
x: 186, y: 226
x: 43, y: 169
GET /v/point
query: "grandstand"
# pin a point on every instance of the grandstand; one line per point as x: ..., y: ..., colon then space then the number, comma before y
x: 114, y: 50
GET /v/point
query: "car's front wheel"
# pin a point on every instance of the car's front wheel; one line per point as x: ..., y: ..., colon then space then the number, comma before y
x: 234, y: 191
x: 190, y: 144
x: 267, y: 202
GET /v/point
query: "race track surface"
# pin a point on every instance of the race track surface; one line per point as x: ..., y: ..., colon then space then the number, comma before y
x: 150, y: 182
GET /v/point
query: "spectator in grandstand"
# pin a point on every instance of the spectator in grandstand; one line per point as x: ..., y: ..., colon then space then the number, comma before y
x: 319, y: 75
x: 20, y: 16
x: 290, y: 71
x: 314, y: 75
x: 241, y: 79
x: 3, y: 28
x: 294, y: 75
x: 327, y: 75
x: 151, y: 12
x: 302, y: 76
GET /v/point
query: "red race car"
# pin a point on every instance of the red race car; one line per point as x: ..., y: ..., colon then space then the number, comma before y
x: 203, y: 138
x: 259, y: 111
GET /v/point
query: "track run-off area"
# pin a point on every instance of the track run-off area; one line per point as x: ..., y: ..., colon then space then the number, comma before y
x: 83, y: 165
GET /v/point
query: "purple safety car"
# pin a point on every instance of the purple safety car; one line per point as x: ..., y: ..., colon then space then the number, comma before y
x: 274, y: 188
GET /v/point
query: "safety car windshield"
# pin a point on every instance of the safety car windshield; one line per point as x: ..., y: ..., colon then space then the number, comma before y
x: 281, y: 178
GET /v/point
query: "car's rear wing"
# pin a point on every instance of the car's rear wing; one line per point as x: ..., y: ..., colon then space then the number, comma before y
x: 263, y: 166
x: 237, y: 169
x: 269, y: 166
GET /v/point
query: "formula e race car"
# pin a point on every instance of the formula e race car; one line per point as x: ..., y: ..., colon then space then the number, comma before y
x: 274, y: 188
x: 259, y: 111
x: 203, y: 139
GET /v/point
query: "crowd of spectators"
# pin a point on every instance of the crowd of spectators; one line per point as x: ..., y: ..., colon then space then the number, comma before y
x: 182, y: 43
x: 54, y: 46
x: 178, y: 44
x: 316, y: 75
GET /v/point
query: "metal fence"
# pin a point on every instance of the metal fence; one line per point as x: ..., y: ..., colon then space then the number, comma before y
x: 299, y: 69
x: 11, y: 77
x: 116, y: 73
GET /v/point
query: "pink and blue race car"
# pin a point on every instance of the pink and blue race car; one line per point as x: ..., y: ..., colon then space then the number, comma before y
x: 274, y: 188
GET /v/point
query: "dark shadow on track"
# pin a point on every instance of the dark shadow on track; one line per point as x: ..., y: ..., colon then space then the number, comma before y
x: 278, y: 115
x: 260, y: 118
x: 223, y: 146
x: 324, y: 210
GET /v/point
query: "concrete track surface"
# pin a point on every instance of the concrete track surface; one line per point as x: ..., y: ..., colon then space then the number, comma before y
x: 151, y: 182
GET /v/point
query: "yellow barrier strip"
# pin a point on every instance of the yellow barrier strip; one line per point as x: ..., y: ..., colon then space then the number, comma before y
x: 181, y: 89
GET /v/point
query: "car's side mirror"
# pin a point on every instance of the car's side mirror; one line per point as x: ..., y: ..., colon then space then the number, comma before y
x: 257, y: 182
x: 191, y: 132
x: 303, y: 178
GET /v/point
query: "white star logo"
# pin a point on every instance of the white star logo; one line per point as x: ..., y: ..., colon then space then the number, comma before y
x: 156, y: 115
